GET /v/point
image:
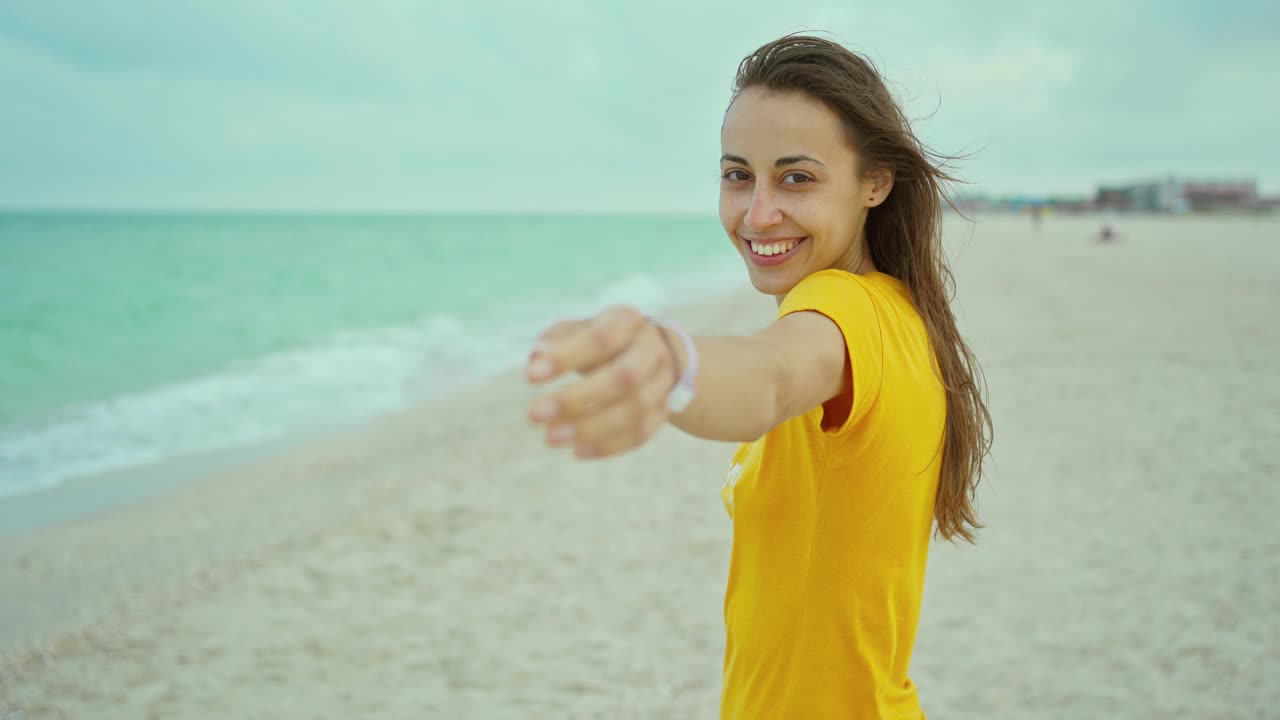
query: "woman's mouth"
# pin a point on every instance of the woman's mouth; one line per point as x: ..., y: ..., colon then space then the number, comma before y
x: 774, y: 252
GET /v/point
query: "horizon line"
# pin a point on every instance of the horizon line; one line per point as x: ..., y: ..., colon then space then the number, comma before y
x: 347, y: 212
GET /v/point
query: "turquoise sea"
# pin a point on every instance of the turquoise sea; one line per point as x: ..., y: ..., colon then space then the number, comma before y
x: 133, y: 339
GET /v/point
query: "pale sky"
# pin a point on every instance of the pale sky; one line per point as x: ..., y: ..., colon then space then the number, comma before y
x: 595, y: 106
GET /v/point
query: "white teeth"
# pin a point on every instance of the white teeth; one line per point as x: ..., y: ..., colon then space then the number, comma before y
x: 774, y: 249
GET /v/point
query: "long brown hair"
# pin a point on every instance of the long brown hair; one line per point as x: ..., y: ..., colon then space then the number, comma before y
x: 904, y: 234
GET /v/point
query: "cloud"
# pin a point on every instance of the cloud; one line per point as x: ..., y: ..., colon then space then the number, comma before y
x: 575, y: 106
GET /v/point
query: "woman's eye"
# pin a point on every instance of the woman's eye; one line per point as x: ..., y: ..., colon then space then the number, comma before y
x: 802, y: 178
x: 736, y: 176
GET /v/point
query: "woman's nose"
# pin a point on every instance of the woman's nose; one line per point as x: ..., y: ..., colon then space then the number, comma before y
x: 763, y: 211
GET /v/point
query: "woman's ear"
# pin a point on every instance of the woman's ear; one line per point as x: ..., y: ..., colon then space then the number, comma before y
x: 880, y: 185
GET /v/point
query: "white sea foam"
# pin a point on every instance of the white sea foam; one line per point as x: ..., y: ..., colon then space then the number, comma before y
x: 351, y: 377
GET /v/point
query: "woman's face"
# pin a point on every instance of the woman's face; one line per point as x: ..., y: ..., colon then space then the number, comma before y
x: 790, y: 184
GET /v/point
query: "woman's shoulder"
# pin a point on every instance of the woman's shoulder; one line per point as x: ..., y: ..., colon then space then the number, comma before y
x: 874, y: 278
x: 873, y: 297
x: 885, y: 297
x: 881, y: 288
x: 884, y: 281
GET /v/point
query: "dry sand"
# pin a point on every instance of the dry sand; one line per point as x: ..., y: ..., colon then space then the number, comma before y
x: 442, y: 563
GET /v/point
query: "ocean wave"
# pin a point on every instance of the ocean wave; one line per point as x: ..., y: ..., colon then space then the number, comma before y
x: 354, y: 376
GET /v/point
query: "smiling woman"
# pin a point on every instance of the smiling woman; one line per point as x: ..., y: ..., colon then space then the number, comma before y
x: 858, y: 410
x: 795, y: 203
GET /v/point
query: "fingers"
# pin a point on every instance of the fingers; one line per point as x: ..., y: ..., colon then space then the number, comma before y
x: 580, y: 346
x: 615, y: 380
x: 538, y: 365
x: 604, y: 385
x: 627, y: 422
x: 615, y: 408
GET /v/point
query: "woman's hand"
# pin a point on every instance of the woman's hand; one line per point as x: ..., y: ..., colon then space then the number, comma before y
x: 620, y: 401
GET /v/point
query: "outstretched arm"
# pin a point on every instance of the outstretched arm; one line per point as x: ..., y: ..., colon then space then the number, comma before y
x: 744, y: 387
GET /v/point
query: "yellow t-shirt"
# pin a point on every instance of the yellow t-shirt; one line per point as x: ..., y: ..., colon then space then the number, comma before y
x: 831, y: 526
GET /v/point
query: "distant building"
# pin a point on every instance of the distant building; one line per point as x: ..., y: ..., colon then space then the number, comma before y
x: 1221, y: 195
x: 1172, y: 195
x: 1114, y: 198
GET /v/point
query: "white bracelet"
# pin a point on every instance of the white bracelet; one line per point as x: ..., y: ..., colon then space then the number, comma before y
x: 682, y: 393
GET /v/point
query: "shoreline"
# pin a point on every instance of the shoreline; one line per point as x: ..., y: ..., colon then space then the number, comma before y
x: 82, y: 498
x: 197, y: 521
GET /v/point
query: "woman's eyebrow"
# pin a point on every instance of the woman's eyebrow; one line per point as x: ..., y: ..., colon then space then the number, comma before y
x: 793, y: 159
x: 788, y: 160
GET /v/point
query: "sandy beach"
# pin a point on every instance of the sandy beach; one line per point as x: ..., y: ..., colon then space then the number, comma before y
x: 442, y: 563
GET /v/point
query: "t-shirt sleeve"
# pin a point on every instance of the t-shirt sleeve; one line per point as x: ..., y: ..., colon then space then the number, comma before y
x: 842, y: 297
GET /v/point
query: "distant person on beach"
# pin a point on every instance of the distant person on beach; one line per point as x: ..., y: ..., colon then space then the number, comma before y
x: 1108, y: 232
x: 858, y: 411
